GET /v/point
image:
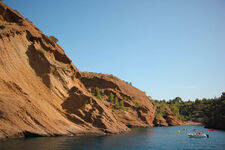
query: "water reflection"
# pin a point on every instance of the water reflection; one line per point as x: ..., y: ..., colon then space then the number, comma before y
x: 38, y: 143
x: 136, y: 138
x: 165, y: 138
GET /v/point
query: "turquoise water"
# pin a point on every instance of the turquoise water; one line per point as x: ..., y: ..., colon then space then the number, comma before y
x: 157, y: 138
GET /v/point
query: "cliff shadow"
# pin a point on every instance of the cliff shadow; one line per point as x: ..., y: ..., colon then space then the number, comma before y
x: 81, y: 105
x: 39, y: 63
x: 73, y: 103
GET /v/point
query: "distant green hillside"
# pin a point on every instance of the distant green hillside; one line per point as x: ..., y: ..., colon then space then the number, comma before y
x: 201, y: 110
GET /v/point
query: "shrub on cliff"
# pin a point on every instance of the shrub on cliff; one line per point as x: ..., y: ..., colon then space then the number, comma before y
x: 98, y: 93
x: 53, y: 38
x: 111, y: 98
x: 116, y: 101
x: 121, y: 103
x: 160, y: 108
x: 137, y: 105
x: 133, y: 97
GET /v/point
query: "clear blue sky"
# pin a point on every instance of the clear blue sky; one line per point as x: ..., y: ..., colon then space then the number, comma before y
x: 166, y: 48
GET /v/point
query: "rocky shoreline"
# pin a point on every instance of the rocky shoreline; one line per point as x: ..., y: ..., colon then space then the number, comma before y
x: 192, y: 123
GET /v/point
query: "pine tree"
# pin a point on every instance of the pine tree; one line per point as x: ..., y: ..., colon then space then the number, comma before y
x: 116, y: 101
x: 53, y: 38
x: 97, y: 93
x: 111, y: 98
x: 121, y: 103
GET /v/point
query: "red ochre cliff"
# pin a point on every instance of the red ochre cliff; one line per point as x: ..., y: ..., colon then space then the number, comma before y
x: 43, y: 94
x: 131, y: 105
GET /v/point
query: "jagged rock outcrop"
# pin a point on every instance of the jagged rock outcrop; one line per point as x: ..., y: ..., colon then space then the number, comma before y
x: 137, y: 110
x: 168, y: 119
x: 43, y: 94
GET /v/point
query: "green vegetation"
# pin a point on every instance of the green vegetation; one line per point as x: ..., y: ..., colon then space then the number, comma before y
x: 122, y: 103
x: 160, y: 108
x: 28, y: 20
x: 137, y: 105
x: 200, y: 110
x: 111, y: 98
x: 174, y: 106
x: 118, y: 103
x: 111, y: 76
x: 97, y: 93
x: 53, y: 38
x: 16, y: 11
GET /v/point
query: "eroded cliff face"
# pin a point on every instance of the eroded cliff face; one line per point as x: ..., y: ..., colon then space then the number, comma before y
x: 168, y: 119
x: 42, y: 94
x: 130, y: 105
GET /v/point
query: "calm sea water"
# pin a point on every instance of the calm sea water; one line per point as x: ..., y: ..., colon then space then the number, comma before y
x: 157, y: 138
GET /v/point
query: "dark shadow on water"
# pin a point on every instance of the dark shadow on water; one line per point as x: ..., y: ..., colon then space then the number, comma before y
x: 139, y: 139
x: 38, y: 143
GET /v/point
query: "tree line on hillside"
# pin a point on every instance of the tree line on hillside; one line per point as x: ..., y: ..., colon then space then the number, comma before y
x: 200, y: 110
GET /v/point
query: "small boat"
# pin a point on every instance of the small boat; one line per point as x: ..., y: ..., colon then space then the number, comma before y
x: 198, y: 135
x: 211, y: 130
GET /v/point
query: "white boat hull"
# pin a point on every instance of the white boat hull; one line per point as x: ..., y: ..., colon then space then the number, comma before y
x: 197, y: 136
